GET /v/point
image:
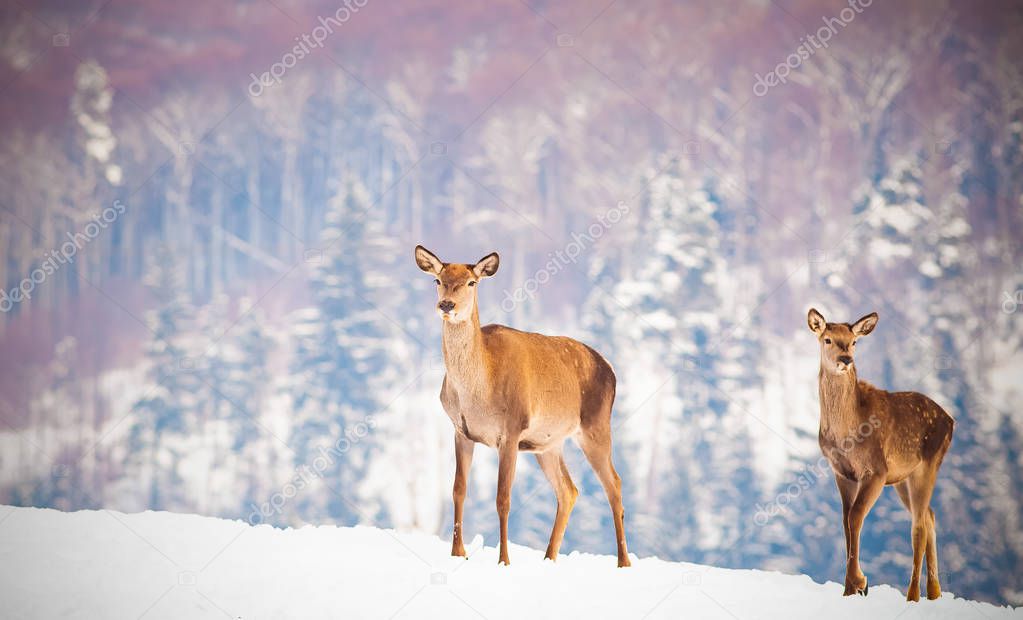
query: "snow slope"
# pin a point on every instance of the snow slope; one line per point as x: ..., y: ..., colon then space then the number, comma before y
x: 106, y: 564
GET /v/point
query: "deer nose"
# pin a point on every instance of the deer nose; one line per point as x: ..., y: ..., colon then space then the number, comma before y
x: 845, y: 359
x: 446, y: 306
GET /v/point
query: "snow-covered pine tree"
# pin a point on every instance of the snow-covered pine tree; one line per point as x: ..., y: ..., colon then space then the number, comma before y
x: 164, y: 418
x: 739, y: 431
x: 253, y: 387
x: 63, y: 482
x: 343, y: 360
x: 671, y: 406
x: 236, y: 386
x: 684, y: 236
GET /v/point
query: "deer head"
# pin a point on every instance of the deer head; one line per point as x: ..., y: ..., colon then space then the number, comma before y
x: 838, y: 340
x: 456, y: 282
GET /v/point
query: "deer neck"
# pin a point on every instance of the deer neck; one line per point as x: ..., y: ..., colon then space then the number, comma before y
x: 839, y: 402
x: 464, y: 356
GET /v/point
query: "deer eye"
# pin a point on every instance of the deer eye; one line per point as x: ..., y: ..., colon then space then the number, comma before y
x: 471, y: 283
x: 827, y: 341
x: 437, y: 281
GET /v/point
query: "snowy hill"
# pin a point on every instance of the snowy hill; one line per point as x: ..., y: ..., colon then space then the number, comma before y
x: 105, y: 564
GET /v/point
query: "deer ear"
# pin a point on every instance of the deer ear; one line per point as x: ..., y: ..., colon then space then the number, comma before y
x: 816, y: 321
x: 487, y: 266
x: 427, y: 261
x: 865, y: 325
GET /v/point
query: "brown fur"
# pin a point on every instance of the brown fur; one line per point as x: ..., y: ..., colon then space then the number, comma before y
x: 874, y: 438
x: 519, y: 391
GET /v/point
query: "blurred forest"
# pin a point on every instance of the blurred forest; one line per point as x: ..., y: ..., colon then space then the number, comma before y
x: 251, y: 331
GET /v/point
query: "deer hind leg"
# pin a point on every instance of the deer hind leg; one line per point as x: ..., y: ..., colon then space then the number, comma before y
x: 507, y: 455
x: 463, y: 460
x: 596, y: 445
x: 867, y: 493
x: 552, y: 463
x: 931, y: 552
x: 933, y: 584
x: 921, y: 485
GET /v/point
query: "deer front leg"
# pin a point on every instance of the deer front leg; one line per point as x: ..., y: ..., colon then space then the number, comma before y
x: 463, y: 460
x: 508, y: 452
x: 866, y: 495
x: 847, y: 491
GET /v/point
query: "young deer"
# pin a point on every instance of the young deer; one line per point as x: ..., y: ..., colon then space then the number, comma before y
x: 517, y: 391
x: 874, y: 438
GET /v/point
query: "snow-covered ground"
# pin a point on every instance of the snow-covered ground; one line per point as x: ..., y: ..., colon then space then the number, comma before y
x: 106, y: 564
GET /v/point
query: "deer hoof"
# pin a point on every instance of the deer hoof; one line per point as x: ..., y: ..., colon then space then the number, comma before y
x: 851, y: 588
x: 933, y: 591
x: 624, y: 562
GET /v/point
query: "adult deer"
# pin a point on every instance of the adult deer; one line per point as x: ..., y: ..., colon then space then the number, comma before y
x: 517, y: 391
x: 874, y: 438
